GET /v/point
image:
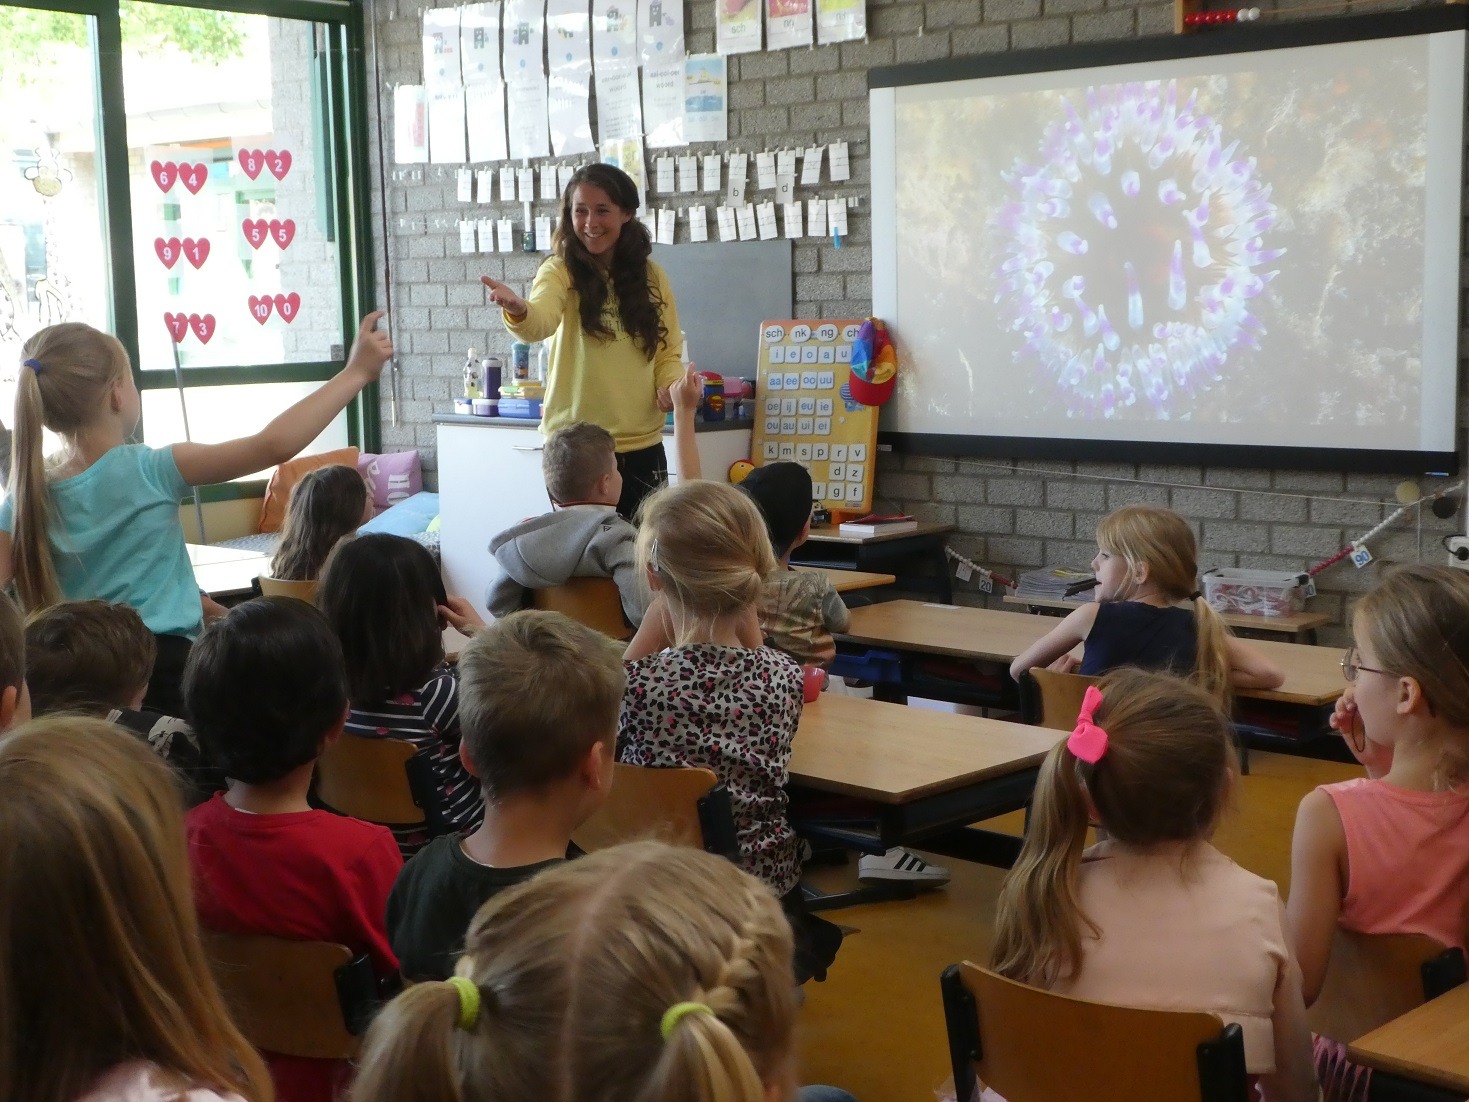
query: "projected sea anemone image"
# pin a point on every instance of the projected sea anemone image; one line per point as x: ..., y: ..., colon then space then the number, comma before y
x: 1135, y: 244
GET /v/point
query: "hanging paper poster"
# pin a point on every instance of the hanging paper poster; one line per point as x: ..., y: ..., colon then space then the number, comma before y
x: 627, y: 154
x: 484, y: 111
x: 660, y: 30
x: 619, y: 108
x: 441, y: 49
x: 479, y: 43
x: 840, y: 20
x: 787, y: 24
x: 526, y: 100
x: 568, y: 35
x: 706, y: 108
x: 738, y: 25
x: 446, y: 141
x: 525, y: 30
x: 663, y: 99
x: 615, y: 33
x: 410, y: 125
x: 568, y: 114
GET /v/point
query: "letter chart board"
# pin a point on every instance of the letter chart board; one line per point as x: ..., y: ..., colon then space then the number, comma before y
x: 804, y: 412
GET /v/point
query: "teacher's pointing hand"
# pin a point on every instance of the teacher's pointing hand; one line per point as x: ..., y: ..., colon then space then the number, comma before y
x: 503, y: 297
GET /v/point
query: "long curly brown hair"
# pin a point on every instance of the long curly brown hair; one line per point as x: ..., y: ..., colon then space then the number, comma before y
x: 637, y: 302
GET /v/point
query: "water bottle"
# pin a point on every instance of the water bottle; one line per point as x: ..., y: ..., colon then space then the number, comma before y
x: 472, y: 377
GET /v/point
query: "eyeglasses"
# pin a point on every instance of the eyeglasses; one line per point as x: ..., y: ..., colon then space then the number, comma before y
x: 1350, y: 666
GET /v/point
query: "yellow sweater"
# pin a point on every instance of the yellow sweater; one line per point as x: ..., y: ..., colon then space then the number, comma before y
x: 607, y: 382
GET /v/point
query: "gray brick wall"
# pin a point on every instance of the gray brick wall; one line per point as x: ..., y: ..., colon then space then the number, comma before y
x: 1010, y: 516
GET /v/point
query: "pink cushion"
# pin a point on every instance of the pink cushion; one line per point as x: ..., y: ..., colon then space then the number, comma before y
x: 391, y: 477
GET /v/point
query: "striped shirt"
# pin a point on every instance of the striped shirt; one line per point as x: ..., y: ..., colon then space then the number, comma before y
x: 428, y: 717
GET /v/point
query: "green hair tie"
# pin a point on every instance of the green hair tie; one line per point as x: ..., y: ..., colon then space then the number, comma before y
x: 468, y: 1001
x: 677, y: 1013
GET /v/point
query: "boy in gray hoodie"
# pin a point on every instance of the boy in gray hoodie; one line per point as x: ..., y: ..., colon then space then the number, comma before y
x: 583, y: 536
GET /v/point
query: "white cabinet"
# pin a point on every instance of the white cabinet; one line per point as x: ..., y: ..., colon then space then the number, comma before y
x: 490, y: 478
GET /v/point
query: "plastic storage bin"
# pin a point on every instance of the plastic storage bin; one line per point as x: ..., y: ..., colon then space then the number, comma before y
x: 1257, y: 592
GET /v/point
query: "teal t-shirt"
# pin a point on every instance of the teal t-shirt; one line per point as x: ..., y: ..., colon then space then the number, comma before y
x: 115, y: 536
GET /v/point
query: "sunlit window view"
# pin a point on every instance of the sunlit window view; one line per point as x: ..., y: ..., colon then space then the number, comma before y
x: 232, y: 208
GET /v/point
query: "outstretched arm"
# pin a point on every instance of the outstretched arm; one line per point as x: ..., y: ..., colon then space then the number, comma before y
x: 284, y: 437
x: 1249, y: 669
x: 1058, y: 642
x: 685, y: 395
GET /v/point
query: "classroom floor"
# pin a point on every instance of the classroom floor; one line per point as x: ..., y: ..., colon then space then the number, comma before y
x: 876, y: 1027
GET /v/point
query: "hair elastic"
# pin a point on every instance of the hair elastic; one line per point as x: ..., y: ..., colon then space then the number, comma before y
x: 678, y: 1012
x: 1195, y: 595
x: 468, y: 1001
x: 653, y: 566
x: 34, y: 365
x: 1088, y: 741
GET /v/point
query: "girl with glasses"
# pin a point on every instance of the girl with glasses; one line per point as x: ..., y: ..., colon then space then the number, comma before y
x: 1389, y: 853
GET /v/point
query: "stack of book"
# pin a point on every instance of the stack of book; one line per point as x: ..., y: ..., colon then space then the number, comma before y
x: 1051, y: 583
x: 878, y: 524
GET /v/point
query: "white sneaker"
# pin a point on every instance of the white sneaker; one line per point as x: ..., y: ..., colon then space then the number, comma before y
x: 901, y: 864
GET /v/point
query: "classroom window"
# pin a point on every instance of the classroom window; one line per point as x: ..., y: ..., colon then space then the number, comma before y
x: 210, y: 202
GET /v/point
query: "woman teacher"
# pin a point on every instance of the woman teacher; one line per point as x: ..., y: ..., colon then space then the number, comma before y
x: 609, y: 313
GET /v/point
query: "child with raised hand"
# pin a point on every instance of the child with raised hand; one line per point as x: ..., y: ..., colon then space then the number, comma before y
x: 538, y: 700
x: 101, y: 520
x: 266, y: 692
x: 1389, y: 853
x: 642, y: 971
x: 105, y: 990
x: 1148, y: 612
x: 327, y: 506
x: 718, y: 698
x: 382, y: 595
x: 1154, y: 916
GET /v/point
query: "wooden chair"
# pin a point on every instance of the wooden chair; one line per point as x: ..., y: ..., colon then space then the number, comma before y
x: 379, y: 780
x: 684, y: 807
x: 296, y: 998
x: 1032, y: 1045
x: 591, y: 601
x: 1050, y: 699
x: 1374, y: 978
x: 280, y: 587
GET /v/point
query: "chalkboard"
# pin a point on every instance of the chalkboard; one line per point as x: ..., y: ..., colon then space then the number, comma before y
x: 724, y: 290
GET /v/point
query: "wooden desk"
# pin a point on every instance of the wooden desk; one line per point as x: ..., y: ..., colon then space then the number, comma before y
x: 928, y: 774
x: 1301, y: 626
x: 1426, y: 1045
x: 916, y: 556
x: 844, y: 581
x: 1312, y: 674
x: 226, y: 571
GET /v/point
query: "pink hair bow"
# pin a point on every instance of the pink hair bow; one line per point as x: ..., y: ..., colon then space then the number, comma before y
x: 1088, y: 742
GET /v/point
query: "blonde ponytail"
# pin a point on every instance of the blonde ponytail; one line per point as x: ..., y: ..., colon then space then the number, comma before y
x: 1211, y: 653
x: 412, y: 1042
x: 68, y: 370
x: 1038, y: 923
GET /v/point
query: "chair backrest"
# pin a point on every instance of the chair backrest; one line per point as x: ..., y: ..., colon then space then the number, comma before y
x: 378, y: 780
x: 684, y: 807
x: 1052, y: 699
x: 1374, y: 978
x: 280, y: 587
x: 296, y: 998
x: 591, y: 601
x: 1031, y: 1045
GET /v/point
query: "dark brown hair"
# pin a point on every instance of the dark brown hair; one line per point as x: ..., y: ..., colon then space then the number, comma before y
x: 325, y: 506
x: 87, y: 656
x: 536, y: 691
x: 381, y: 594
x: 637, y: 302
x: 12, y: 646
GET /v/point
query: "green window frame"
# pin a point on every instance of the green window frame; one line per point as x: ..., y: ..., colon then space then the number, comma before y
x: 340, y: 78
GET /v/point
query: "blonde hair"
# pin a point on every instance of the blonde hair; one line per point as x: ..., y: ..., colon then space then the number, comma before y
x: 1163, y: 778
x: 1163, y: 541
x: 576, y: 970
x: 100, y: 957
x: 708, y: 545
x: 65, y: 395
x: 1417, y: 622
x: 536, y: 691
x: 575, y: 458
